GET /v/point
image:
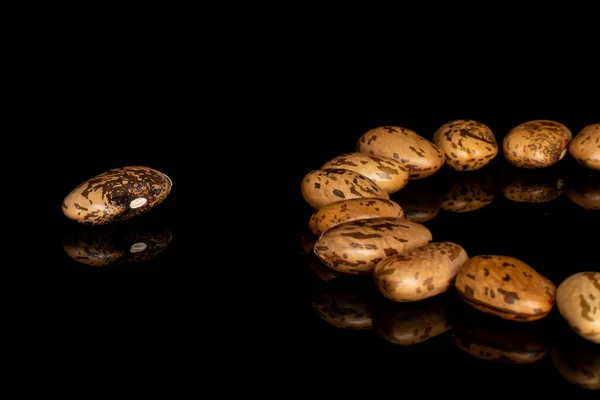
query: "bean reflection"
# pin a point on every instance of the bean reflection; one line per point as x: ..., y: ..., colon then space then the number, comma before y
x: 108, y: 246
x: 487, y: 338
x: 532, y: 186
x: 344, y: 304
x: 321, y: 270
x: 468, y: 191
x: 419, y: 200
x: 585, y: 192
x: 307, y: 240
x: 408, y: 324
x: 578, y: 361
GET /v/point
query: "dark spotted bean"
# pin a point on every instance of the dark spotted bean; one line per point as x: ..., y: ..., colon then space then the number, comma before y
x: 117, y: 195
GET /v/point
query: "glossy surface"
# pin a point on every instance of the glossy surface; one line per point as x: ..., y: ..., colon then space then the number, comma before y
x: 321, y: 187
x: 117, y: 195
x: 506, y: 287
x: 109, y: 247
x: 420, y: 273
x: 342, y: 211
x: 234, y: 284
x: 542, y: 217
x: 578, y: 301
x: 355, y: 247
x: 467, y: 144
x: 585, y: 147
x: 388, y: 173
x: 421, y: 157
x: 536, y: 144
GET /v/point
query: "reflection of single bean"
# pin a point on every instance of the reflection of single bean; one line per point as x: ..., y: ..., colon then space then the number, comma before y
x: 116, y: 195
x: 536, y: 144
x: 388, y: 173
x: 585, y: 147
x: 321, y: 270
x: 585, y: 194
x: 419, y: 200
x: 421, y: 157
x: 342, y: 211
x: 489, y: 338
x: 321, y: 187
x: 578, y: 361
x: 578, y: 301
x: 106, y: 248
x: 408, y: 324
x: 421, y: 273
x: 346, y: 309
x: 357, y: 246
x: 523, y: 192
x: 505, y: 287
x: 468, y: 195
x: 468, y: 145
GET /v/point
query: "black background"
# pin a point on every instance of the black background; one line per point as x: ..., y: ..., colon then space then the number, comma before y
x: 236, y: 136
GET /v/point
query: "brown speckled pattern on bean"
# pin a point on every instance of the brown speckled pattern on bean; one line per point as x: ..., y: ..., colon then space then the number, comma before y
x: 321, y: 187
x: 343, y: 309
x: 578, y: 301
x: 485, y: 351
x: 106, y: 197
x: 468, y: 145
x: 99, y: 249
x: 421, y: 273
x: 342, y: 211
x: 321, y: 270
x: 505, y: 287
x: 387, y: 173
x: 357, y: 246
x: 522, y: 192
x: 536, y: 144
x: 586, y: 195
x: 585, y: 147
x: 578, y: 362
x: 421, y: 157
x: 499, y: 341
x: 469, y: 195
x: 408, y: 324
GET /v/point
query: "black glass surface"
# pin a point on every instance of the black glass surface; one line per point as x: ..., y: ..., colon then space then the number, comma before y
x: 555, y: 233
x: 223, y: 266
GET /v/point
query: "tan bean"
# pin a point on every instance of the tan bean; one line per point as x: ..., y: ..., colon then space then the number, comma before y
x: 421, y: 157
x: 578, y: 301
x: 468, y: 145
x: 585, y: 147
x: 505, y: 287
x: 321, y: 187
x: 387, y: 173
x: 420, y: 273
x: 357, y: 246
x: 536, y: 144
x: 342, y: 211
x: 578, y: 361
